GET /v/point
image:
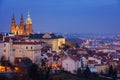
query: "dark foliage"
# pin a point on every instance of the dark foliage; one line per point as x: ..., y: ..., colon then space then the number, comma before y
x: 79, y: 72
x: 33, y: 72
x: 112, y: 72
x: 87, y: 72
x: 64, y: 47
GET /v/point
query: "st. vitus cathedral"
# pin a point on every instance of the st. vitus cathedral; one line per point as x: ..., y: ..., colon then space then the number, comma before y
x: 22, y: 29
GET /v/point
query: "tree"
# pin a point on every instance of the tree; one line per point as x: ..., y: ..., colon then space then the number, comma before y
x: 33, y: 72
x: 64, y: 47
x: 76, y: 45
x: 112, y: 72
x: 43, y: 62
x: 2, y: 58
x: 101, y: 72
x: 47, y: 73
x: 87, y: 72
x: 115, y: 74
x: 79, y: 71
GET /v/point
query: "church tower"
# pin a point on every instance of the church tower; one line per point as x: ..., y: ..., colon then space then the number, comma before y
x: 17, y: 29
x: 13, y: 24
x: 29, y: 29
x: 22, y: 29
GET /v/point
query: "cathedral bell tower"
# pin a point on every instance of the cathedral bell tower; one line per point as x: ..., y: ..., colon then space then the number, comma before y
x: 13, y: 24
x: 22, y: 29
x: 29, y: 29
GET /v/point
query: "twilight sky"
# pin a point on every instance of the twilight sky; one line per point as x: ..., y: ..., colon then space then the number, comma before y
x: 83, y: 16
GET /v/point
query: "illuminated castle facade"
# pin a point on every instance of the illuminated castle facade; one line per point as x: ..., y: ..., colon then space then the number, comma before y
x: 22, y: 29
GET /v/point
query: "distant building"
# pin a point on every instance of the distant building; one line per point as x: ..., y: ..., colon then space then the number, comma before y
x: 53, y: 40
x: 106, y: 50
x: 71, y: 64
x: 101, y: 68
x: 81, y: 51
x: 93, y: 61
x: 1, y: 49
x: 22, y: 29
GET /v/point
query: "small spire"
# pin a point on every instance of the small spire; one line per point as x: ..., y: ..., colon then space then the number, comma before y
x: 21, y: 20
x: 13, y: 17
x: 22, y: 16
x: 28, y: 13
x: 28, y: 18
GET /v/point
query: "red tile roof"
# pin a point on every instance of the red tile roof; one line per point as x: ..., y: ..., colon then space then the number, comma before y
x: 75, y: 58
x: 28, y: 43
x: 1, y: 37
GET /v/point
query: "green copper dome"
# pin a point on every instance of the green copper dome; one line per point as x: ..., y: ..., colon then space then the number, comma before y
x: 28, y: 18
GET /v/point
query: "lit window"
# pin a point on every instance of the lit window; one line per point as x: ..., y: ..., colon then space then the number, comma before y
x: 13, y: 49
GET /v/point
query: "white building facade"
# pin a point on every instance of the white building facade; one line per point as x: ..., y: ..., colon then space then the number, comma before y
x: 1, y: 49
x: 70, y: 65
x: 8, y: 50
x: 28, y: 49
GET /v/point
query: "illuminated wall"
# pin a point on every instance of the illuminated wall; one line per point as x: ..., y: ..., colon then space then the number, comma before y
x: 22, y: 29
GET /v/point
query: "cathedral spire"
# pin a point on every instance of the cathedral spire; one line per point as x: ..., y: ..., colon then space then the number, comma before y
x: 21, y: 20
x: 13, y: 19
x: 28, y: 27
x: 28, y: 13
x: 28, y: 18
x: 21, y: 17
x: 13, y: 24
x: 22, y: 32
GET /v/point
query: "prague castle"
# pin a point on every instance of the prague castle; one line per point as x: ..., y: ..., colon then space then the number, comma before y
x: 22, y: 29
x: 52, y: 39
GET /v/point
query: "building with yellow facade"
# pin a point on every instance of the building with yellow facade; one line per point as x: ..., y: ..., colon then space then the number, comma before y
x: 52, y: 39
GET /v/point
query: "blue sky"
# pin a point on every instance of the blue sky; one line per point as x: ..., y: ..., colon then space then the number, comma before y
x: 83, y: 16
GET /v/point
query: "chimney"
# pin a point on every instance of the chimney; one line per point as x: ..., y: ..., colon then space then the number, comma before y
x: 3, y: 38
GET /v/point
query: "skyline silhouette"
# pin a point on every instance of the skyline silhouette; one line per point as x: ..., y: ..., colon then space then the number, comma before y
x: 80, y: 16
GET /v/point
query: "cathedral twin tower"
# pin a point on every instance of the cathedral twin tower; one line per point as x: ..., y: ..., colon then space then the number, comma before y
x: 22, y: 29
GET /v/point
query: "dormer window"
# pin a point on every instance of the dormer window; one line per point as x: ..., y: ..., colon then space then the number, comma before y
x: 47, y: 35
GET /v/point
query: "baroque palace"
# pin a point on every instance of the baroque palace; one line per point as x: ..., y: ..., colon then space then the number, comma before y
x: 22, y: 29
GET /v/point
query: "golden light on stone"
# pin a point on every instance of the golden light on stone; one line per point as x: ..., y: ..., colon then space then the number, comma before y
x: 22, y: 29
x: 17, y: 69
x: 5, y: 69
